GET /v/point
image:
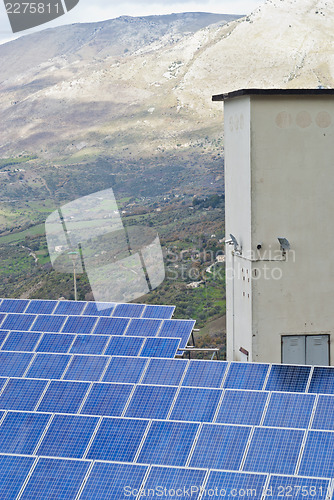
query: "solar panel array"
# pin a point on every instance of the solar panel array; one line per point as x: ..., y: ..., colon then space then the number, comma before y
x: 83, y: 425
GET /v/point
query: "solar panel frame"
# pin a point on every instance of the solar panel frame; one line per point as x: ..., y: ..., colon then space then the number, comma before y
x: 288, y: 378
x: 20, y: 322
x: 111, y: 326
x: 160, y: 347
x: 80, y: 324
x: 48, y: 366
x: 150, y: 401
x: 70, y: 307
x: 22, y: 394
x: 246, y: 376
x: 41, y: 306
x: 143, y: 327
x: 87, y: 368
x: 325, y: 407
x: 49, y: 323
x: 14, y: 305
x: 289, y: 410
x: 174, y: 479
x: 55, y: 343
x: 124, y: 346
x: 125, y: 369
x: 89, y: 344
x: 63, y: 396
x: 13, y: 473
x: 318, y: 455
x: 205, y: 373
x: 3, y: 336
x: 14, y: 364
x: 237, y: 484
x: 128, y: 310
x: 158, y: 312
x: 322, y: 380
x: 196, y: 404
x: 110, y: 399
x: 242, y: 407
x: 21, y: 341
x: 180, y: 328
x: 20, y: 432
x: 230, y: 443
x: 91, y: 309
x: 118, y: 439
x: 165, y: 371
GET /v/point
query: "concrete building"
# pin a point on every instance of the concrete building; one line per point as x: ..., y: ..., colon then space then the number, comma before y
x: 279, y: 176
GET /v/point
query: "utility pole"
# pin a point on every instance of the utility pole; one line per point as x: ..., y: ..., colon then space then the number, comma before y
x: 74, y: 257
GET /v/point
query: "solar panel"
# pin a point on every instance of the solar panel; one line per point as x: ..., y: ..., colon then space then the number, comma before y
x: 298, y: 487
x: 14, y: 364
x: 22, y: 394
x: 18, y: 322
x: 2, y: 382
x: 318, y: 456
x: 322, y: 380
x: 89, y: 344
x: 165, y: 371
x: 289, y: 410
x: 63, y: 397
x: 205, y: 373
x: 13, y: 305
x: 163, y: 312
x: 274, y: 450
x: 68, y: 436
x: 56, y: 343
x: 107, y: 399
x: 246, y: 376
x: 177, y: 328
x: 111, y: 326
x: 48, y: 323
x: 125, y: 370
x: 128, y: 310
x: 13, y: 473
x: 69, y: 307
x: 143, y: 327
x: 86, y: 368
x: 220, y: 447
x: 2, y: 316
x: 288, y: 378
x: 48, y: 366
x: 242, y: 407
x: 79, y: 324
x: 168, y: 443
x: 161, y: 479
x: 236, y: 484
x: 21, y: 341
x: 41, y: 306
x: 100, y: 309
x: 117, y: 439
x: 325, y: 409
x: 3, y: 335
x: 160, y: 348
x: 113, y: 481
x: 197, y: 405
x: 21, y: 432
x: 124, y: 346
x: 149, y: 401
x: 54, y: 479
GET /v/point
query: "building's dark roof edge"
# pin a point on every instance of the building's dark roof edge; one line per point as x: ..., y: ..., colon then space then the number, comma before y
x: 244, y: 92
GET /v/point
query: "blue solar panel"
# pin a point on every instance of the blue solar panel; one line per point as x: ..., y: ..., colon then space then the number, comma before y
x: 69, y: 307
x: 13, y: 473
x: 21, y: 432
x: 298, y: 487
x: 68, y: 436
x: 198, y: 405
x: 22, y: 394
x: 3, y: 335
x: 2, y: 316
x: 175, y: 480
x: 86, y: 368
x: 113, y: 481
x: 128, y: 310
x: 220, y: 447
x: 63, y: 397
x: 89, y: 344
x: 143, y: 327
x: 18, y: 322
x: 107, y: 399
x: 21, y: 341
x: 48, y: 323
x: 163, y: 312
x: 54, y: 479
x: 125, y: 370
x: 165, y: 371
x: 318, y: 456
x: 48, y: 366
x: 177, y: 328
x: 322, y: 380
x: 150, y: 401
x: 274, y: 450
x: 323, y: 418
x: 111, y: 326
x: 205, y: 373
x: 55, y: 342
x: 79, y: 324
x: 288, y: 378
x: 41, y: 306
x: 14, y: 364
x: 289, y: 410
x: 160, y: 348
x: 2, y: 382
x: 124, y: 346
x: 117, y: 439
x: 242, y: 407
x: 237, y: 484
x: 98, y: 309
x: 13, y: 305
x: 246, y: 376
x: 168, y: 443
